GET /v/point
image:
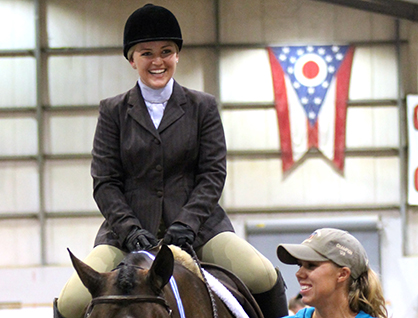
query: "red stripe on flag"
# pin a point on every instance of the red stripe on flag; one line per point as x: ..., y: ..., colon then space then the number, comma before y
x: 280, y: 97
x: 342, y: 87
x: 312, y: 134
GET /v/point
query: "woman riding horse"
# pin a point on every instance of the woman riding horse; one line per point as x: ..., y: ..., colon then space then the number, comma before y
x: 159, y: 168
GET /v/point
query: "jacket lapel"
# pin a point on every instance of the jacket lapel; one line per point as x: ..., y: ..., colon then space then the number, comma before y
x: 174, y: 109
x: 139, y: 112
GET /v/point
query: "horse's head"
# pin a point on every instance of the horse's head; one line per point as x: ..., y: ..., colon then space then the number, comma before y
x: 133, y: 287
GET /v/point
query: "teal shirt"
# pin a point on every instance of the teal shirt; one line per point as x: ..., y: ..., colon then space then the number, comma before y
x: 308, y: 312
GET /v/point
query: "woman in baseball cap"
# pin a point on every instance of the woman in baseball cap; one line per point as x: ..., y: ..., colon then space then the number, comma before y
x: 334, y: 276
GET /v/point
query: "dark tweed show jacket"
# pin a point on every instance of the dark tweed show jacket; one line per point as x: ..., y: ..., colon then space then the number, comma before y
x: 143, y: 175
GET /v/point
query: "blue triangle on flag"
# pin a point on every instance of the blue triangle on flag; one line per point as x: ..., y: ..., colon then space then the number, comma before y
x: 311, y: 70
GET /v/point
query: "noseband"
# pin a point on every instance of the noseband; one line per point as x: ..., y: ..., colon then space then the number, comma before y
x: 128, y: 299
x: 123, y: 300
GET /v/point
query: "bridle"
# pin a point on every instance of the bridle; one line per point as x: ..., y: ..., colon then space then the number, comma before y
x: 117, y: 299
x: 127, y: 299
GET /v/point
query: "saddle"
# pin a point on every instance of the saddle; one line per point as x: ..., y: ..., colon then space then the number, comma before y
x: 236, y: 287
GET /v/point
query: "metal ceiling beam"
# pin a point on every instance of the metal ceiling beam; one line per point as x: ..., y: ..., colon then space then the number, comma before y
x: 399, y: 8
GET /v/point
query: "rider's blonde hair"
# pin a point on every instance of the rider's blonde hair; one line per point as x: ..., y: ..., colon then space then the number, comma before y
x: 132, y: 50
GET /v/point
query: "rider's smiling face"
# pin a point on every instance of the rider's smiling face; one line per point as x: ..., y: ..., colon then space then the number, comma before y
x: 155, y: 61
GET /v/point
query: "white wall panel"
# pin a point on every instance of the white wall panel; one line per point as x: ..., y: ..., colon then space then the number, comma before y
x: 245, y: 76
x: 76, y: 234
x: 20, y: 243
x: 372, y: 127
x: 251, y: 129
x: 79, y: 23
x: 299, y: 21
x: 196, y: 69
x: 68, y: 186
x: 279, y: 21
x: 88, y: 79
x: 387, y: 181
x: 70, y: 133
x: 353, y: 25
x: 18, y: 136
x: 367, y: 127
x: 75, y: 23
x: 383, y: 27
x: 233, y: 14
x: 196, y: 19
x: 374, y: 73
x: 81, y: 80
x: 19, y: 189
x: 350, y: 24
x: 313, y: 23
x: 313, y: 183
x: 17, y: 81
x: 17, y: 22
x: 413, y: 230
x: 250, y: 183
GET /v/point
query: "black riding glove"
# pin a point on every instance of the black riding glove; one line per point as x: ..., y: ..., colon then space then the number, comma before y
x: 140, y: 239
x: 179, y: 234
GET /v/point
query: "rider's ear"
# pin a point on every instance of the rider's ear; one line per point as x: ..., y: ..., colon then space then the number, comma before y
x: 162, y: 268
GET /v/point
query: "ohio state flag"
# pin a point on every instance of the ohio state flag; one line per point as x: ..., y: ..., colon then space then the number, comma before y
x: 311, y: 90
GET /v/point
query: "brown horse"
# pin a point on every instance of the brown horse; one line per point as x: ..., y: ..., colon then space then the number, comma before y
x: 144, y: 285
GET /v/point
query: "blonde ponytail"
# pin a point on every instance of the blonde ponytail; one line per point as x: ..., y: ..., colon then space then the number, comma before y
x: 365, y: 293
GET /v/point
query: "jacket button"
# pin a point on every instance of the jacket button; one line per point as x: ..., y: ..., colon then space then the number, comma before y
x: 159, y: 168
x: 156, y: 141
x: 159, y: 194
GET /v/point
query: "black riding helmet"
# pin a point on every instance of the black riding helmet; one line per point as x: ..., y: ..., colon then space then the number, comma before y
x: 151, y: 23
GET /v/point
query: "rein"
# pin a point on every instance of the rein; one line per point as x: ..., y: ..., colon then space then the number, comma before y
x: 212, y: 298
x: 118, y: 299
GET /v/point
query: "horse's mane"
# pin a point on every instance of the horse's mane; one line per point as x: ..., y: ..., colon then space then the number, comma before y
x: 125, y: 280
x: 126, y: 277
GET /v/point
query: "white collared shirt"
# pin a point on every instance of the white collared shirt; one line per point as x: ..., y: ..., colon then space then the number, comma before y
x: 156, y: 100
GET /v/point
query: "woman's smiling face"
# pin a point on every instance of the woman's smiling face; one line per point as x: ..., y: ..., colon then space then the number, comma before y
x: 156, y: 62
x: 318, y: 281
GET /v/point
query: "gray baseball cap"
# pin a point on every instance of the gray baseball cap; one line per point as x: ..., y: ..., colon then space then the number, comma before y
x: 328, y: 244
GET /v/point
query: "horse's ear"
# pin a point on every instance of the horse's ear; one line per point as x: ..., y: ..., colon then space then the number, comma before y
x: 89, y: 277
x: 162, y: 268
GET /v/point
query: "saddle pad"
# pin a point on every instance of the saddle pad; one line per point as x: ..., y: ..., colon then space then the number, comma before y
x: 225, y: 295
x: 236, y: 287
